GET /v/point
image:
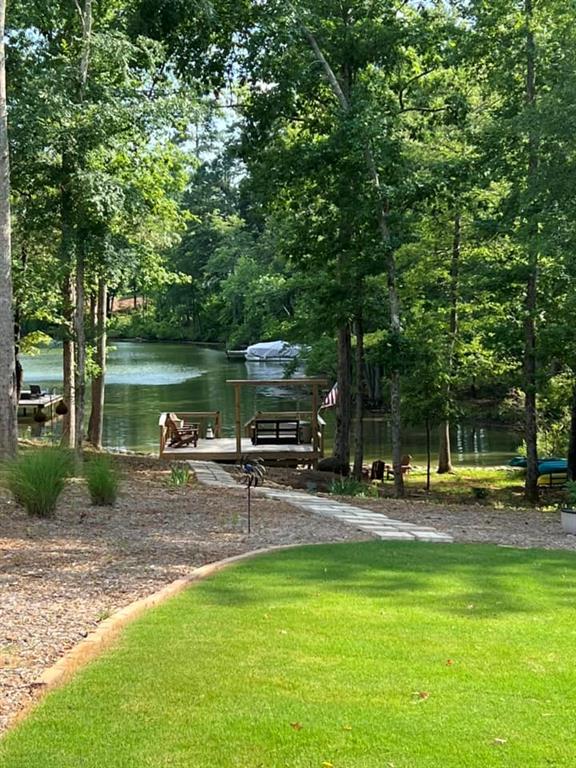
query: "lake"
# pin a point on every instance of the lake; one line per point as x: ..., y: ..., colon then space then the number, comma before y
x: 144, y: 379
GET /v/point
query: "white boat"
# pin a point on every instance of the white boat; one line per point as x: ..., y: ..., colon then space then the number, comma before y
x: 272, y: 351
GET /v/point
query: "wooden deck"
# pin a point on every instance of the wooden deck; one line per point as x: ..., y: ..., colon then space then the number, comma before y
x: 27, y: 407
x: 224, y: 449
x: 293, y: 437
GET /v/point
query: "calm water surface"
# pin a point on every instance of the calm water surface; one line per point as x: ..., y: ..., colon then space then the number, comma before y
x: 144, y: 379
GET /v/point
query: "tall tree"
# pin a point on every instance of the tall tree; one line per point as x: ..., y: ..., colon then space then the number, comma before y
x: 8, y: 386
x: 532, y: 237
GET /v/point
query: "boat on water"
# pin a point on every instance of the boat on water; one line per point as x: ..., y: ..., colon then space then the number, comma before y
x: 266, y: 352
x: 236, y: 354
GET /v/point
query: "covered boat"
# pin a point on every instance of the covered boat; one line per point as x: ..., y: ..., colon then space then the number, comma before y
x: 267, y: 351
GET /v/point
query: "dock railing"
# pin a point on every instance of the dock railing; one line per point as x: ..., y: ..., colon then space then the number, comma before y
x: 202, y: 418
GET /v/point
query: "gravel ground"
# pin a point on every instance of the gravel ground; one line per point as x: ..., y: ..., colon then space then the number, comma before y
x: 60, y: 577
x: 485, y: 523
x: 471, y: 523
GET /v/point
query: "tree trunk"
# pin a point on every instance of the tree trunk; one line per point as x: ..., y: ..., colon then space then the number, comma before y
x: 389, y: 263
x: 69, y: 387
x: 444, y: 450
x: 73, y: 245
x: 343, y: 404
x: 359, y: 397
x: 67, y: 256
x: 531, y: 300
x: 8, y: 386
x: 428, y: 455
x: 572, y: 445
x: 80, y: 339
x: 95, y: 428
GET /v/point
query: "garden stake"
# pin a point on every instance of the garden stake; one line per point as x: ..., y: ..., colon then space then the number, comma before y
x: 253, y: 473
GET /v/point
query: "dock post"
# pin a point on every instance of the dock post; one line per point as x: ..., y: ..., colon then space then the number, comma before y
x: 238, y: 422
x: 315, y: 416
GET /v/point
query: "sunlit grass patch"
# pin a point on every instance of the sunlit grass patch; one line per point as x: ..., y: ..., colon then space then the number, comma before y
x: 357, y: 656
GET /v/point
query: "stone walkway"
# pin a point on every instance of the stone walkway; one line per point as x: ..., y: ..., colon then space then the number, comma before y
x: 378, y: 525
x: 211, y: 474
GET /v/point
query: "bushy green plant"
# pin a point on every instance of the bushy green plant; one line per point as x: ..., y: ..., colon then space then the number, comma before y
x: 347, y: 486
x: 103, y: 481
x: 570, y: 492
x: 37, y: 478
x: 179, y: 475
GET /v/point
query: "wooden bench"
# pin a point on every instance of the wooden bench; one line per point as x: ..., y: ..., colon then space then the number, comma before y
x: 276, y: 432
x: 552, y: 479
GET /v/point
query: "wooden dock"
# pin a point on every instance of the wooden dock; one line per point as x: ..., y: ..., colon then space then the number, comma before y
x: 224, y: 449
x: 27, y: 406
x: 292, y: 438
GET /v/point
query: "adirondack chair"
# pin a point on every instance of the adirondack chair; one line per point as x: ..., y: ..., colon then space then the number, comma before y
x: 405, y: 466
x: 181, y: 434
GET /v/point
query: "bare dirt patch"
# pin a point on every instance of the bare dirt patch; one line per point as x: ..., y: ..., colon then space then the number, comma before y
x: 60, y: 577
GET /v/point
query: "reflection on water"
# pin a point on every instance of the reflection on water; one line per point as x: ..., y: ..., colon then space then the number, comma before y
x: 144, y: 379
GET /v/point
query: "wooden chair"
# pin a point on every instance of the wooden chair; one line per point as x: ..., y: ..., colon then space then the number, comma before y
x: 405, y: 466
x: 180, y: 434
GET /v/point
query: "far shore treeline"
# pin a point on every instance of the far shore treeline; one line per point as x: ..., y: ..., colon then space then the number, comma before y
x: 390, y: 184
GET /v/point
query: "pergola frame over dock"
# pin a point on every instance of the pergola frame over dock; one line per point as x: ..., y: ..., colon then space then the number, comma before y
x: 288, y: 437
x: 315, y: 385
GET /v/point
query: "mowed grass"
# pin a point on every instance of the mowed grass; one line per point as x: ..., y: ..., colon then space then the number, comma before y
x: 368, y: 655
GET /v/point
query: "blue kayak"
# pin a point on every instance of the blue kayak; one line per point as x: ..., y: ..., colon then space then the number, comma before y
x: 545, y: 466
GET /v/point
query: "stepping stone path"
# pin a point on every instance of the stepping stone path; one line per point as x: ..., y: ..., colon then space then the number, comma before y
x: 382, y: 527
x: 212, y: 474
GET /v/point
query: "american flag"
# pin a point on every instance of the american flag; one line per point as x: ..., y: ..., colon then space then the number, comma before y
x: 330, y: 399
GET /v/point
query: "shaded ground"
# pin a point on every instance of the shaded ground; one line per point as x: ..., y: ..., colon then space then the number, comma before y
x: 60, y: 577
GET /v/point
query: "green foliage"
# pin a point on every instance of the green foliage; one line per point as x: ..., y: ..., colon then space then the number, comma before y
x: 553, y: 439
x: 146, y: 324
x: 102, y: 480
x: 37, y: 478
x: 348, y: 486
x: 179, y: 475
x: 570, y: 493
x: 33, y: 342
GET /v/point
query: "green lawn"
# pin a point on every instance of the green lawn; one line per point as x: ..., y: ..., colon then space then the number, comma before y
x: 357, y: 656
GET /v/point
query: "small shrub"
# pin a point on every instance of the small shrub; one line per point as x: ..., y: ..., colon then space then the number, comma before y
x: 570, y: 494
x: 347, y: 486
x: 103, y: 481
x: 179, y: 475
x: 480, y: 493
x: 37, y: 478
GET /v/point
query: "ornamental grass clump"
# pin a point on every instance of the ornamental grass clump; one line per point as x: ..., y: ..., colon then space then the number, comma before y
x: 103, y: 481
x: 179, y: 475
x: 37, y: 478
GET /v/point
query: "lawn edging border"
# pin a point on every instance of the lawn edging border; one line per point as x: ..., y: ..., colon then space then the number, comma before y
x: 108, y: 631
